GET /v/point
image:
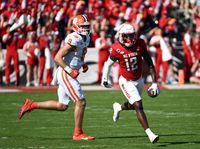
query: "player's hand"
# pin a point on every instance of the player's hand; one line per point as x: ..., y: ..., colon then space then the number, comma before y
x: 155, y: 89
x: 85, y: 68
x: 74, y: 73
x: 106, y: 83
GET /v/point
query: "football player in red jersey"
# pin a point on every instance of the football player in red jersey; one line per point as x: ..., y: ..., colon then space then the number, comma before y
x: 129, y: 52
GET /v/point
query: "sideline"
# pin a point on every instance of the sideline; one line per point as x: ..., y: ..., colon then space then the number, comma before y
x: 14, y: 89
x: 182, y: 87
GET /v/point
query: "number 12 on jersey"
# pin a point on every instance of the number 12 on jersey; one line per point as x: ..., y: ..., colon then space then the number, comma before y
x: 131, y: 63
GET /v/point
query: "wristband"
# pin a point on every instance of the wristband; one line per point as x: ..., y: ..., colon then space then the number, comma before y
x: 67, y: 69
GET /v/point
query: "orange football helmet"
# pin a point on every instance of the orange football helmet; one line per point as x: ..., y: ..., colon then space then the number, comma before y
x: 81, y: 25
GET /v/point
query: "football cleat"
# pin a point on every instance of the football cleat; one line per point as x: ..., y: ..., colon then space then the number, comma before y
x: 116, y: 108
x: 154, y: 138
x: 82, y: 136
x: 26, y: 107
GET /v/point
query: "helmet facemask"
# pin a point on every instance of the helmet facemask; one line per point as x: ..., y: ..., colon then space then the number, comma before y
x: 84, y: 29
x: 128, y: 39
x: 127, y: 35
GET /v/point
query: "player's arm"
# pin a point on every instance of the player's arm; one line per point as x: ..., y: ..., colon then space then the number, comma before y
x: 106, y: 82
x: 60, y: 62
x: 150, y: 64
x: 84, y: 65
x: 154, y: 87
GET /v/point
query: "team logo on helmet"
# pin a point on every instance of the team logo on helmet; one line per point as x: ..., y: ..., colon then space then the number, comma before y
x: 81, y: 25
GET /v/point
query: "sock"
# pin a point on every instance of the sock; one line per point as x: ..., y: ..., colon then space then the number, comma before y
x: 78, y: 131
x: 149, y: 132
x: 34, y: 105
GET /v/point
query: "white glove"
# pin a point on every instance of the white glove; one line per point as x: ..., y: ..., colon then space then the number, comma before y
x: 106, y: 83
x: 155, y: 89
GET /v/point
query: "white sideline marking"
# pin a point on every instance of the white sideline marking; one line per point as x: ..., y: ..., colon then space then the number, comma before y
x: 185, y: 86
x: 9, y: 90
x: 96, y: 88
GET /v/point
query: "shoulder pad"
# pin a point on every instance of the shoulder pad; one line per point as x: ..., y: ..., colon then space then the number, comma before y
x: 73, y: 39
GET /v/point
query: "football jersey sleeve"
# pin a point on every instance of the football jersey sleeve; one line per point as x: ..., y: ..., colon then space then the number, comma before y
x: 113, y: 52
x: 72, y: 39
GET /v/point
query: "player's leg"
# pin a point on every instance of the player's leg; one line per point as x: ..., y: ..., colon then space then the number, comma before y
x: 60, y: 105
x: 73, y: 90
x: 143, y: 121
x: 141, y: 114
x: 78, y: 120
x: 117, y: 108
x: 79, y: 113
x: 78, y: 117
x: 132, y: 91
x: 127, y: 106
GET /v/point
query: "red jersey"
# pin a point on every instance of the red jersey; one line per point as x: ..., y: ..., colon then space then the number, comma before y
x: 130, y: 60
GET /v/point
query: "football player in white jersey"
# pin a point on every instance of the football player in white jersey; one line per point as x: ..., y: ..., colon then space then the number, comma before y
x: 70, y: 59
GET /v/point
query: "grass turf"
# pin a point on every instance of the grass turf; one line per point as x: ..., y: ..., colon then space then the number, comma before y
x: 174, y: 115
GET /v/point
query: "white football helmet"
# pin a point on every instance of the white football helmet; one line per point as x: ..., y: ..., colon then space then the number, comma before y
x: 81, y: 25
x: 127, y: 35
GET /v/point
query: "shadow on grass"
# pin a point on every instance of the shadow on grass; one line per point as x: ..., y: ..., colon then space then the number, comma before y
x: 141, y: 136
x: 170, y: 143
x: 119, y: 137
x: 166, y: 144
x: 160, y: 143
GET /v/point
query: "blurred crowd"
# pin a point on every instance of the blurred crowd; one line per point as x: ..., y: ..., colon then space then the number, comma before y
x: 171, y: 28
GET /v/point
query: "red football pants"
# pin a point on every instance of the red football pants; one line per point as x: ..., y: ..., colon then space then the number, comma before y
x: 42, y: 65
x: 188, y: 65
x: 49, y: 77
x: 9, y: 57
x: 159, y: 62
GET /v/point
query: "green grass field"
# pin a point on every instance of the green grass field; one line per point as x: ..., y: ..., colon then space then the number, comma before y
x: 174, y: 115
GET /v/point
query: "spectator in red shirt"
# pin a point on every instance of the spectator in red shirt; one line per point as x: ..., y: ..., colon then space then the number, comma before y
x: 11, y: 41
x: 188, y: 53
x: 43, y: 43
x: 102, y: 44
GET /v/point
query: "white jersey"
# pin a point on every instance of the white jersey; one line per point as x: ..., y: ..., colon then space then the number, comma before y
x: 69, y: 88
x: 75, y: 59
